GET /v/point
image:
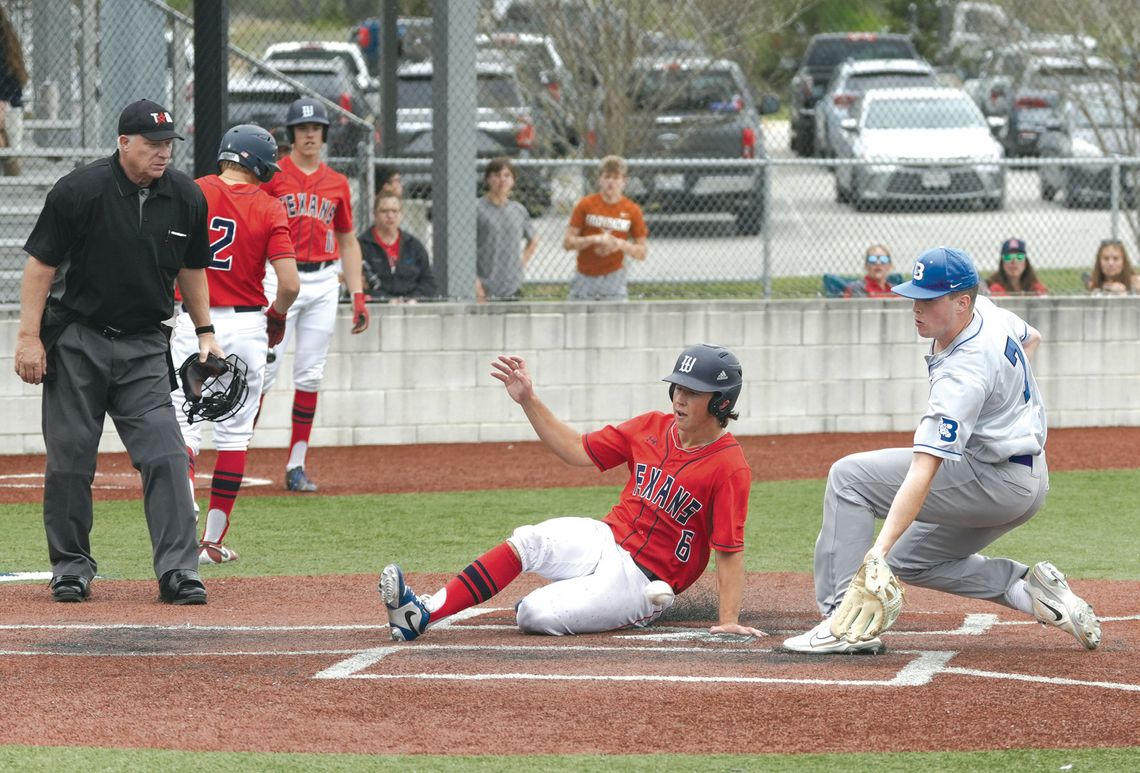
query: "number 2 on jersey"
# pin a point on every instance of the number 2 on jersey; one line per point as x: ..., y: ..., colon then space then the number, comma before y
x: 1014, y: 354
x: 218, y: 246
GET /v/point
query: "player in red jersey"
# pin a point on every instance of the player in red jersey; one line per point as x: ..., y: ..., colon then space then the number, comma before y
x: 319, y: 206
x: 247, y: 227
x: 687, y: 495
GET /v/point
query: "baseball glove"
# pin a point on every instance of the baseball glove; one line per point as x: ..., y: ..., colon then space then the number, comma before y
x: 871, y: 604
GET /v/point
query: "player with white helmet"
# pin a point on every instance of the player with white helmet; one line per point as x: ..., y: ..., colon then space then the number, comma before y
x: 976, y: 470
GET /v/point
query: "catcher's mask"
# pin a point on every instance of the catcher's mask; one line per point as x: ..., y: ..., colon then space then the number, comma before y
x: 709, y: 368
x: 215, y: 389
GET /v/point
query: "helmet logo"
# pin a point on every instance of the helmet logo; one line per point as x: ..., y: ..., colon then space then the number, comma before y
x: 687, y: 363
x: 307, y: 111
x: 722, y: 377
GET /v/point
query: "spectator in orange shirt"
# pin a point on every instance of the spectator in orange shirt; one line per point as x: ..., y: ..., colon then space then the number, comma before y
x: 1015, y: 274
x: 875, y: 282
x: 604, y: 228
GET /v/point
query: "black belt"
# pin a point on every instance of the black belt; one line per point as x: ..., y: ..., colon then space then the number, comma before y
x: 648, y: 574
x: 1025, y: 459
x: 308, y: 265
x: 238, y: 309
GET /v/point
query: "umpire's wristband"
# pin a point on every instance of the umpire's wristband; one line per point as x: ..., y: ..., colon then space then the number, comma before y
x: 201, y: 331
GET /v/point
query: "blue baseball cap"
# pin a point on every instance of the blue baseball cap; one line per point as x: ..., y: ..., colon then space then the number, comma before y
x: 939, y: 271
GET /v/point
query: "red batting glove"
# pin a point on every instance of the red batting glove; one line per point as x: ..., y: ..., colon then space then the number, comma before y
x: 360, y: 317
x: 274, y: 326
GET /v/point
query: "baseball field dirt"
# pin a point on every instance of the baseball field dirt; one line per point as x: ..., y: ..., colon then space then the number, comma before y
x: 306, y: 664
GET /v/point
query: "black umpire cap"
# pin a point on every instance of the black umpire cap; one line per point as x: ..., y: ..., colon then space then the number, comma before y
x: 149, y: 119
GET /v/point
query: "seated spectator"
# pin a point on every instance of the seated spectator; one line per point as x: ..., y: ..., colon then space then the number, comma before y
x: 1015, y: 274
x: 396, y: 265
x: 877, y: 282
x: 1112, y: 274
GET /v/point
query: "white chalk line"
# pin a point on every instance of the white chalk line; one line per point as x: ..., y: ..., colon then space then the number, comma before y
x: 104, y: 481
x: 919, y: 671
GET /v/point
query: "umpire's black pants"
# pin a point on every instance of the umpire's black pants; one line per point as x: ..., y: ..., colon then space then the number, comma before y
x: 89, y: 376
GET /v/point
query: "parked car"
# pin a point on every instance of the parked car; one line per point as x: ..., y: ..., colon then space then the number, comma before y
x: 544, y: 80
x: 1035, y: 98
x: 920, y: 146
x: 699, y: 109
x: 824, y: 54
x: 326, y: 50
x: 852, y: 79
x: 504, y: 120
x: 972, y: 29
x: 1093, y: 122
x: 263, y: 99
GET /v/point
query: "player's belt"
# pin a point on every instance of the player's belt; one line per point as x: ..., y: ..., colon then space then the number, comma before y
x: 314, y: 265
x: 237, y: 309
x: 648, y: 574
x: 1025, y: 459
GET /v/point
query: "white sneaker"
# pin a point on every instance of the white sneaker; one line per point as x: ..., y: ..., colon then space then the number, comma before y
x: 1054, y: 603
x: 819, y: 641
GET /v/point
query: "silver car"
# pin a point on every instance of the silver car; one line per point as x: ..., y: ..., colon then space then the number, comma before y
x: 851, y: 81
x: 920, y: 146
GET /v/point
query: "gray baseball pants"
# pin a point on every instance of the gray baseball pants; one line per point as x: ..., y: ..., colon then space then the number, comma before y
x: 90, y: 376
x: 970, y: 505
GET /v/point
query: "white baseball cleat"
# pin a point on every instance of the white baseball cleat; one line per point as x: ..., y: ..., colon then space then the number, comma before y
x: 215, y: 553
x: 407, y: 614
x: 1054, y: 603
x: 820, y: 641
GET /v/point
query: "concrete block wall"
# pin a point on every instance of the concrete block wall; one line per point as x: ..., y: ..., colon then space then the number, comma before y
x: 421, y: 374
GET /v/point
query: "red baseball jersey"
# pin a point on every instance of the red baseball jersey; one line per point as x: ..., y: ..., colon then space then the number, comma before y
x: 247, y: 226
x: 318, y: 206
x: 678, y: 504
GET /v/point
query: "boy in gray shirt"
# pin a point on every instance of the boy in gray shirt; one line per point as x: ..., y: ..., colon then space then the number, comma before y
x: 502, y: 225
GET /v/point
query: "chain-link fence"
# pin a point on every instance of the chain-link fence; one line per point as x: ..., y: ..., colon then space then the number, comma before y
x: 731, y: 211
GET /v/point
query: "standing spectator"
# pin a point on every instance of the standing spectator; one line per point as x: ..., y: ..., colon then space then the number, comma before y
x: 110, y: 242
x: 1112, y: 274
x: 875, y: 283
x: 687, y: 497
x: 502, y: 225
x: 1015, y: 274
x: 396, y: 264
x: 249, y: 228
x: 13, y: 78
x: 319, y: 207
x: 604, y: 228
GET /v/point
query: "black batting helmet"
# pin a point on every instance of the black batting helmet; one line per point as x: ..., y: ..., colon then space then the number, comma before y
x: 251, y: 147
x: 307, y: 110
x: 215, y: 389
x: 709, y: 368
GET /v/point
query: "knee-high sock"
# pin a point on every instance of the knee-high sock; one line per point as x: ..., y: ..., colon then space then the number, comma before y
x: 483, y: 578
x: 304, y: 408
x: 228, y: 473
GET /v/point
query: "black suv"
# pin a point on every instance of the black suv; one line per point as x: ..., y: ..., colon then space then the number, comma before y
x: 698, y: 109
x: 823, y: 56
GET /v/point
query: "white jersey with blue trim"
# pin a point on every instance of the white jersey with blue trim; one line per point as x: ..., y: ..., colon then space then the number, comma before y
x: 984, y: 400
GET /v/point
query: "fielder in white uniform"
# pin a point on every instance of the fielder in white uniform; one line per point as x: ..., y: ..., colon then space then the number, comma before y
x: 976, y: 470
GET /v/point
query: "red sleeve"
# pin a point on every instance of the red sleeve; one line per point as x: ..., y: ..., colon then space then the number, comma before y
x: 729, y: 511
x: 280, y: 241
x: 342, y: 220
x: 997, y: 289
x: 607, y: 447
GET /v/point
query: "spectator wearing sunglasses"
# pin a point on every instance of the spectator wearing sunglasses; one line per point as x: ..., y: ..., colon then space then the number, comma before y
x: 1112, y: 273
x: 876, y: 283
x: 1015, y: 274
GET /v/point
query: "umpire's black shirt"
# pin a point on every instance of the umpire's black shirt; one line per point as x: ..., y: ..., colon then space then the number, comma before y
x: 116, y: 260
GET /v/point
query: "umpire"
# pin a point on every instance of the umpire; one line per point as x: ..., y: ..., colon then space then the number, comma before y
x: 105, y: 252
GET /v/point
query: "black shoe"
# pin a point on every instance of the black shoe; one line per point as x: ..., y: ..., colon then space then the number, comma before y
x: 181, y: 586
x: 70, y: 587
